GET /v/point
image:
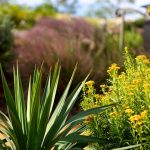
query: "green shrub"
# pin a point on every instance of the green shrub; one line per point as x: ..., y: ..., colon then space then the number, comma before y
x: 44, y: 10
x: 25, y: 17
x: 134, y: 40
x: 6, y: 39
x: 139, y: 23
x: 22, y: 17
x: 40, y: 125
x: 129, y: 122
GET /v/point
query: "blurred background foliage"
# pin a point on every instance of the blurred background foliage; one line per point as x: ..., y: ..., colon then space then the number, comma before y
x: 6, y: 39
x: 45, y: 33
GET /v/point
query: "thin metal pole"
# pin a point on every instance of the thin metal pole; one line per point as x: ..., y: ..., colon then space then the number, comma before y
x: 121, y: 42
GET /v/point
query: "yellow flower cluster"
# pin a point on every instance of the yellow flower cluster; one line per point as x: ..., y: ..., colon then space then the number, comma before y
x: 103, y: 86
x: 138, y: 118
x: 91, y: 82
x: 144, y: 114
x: 142, y: 59
x: 88, y: 119
x: 135, y: 118
x: 129, y: 111
x: 113, y: 114
x: 113, y: 67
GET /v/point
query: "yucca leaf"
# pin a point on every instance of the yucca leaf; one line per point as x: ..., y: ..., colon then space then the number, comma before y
x: 82, y: 115
x: 54, y: 85
x: 72, y: 99
x: 9, y: 136
x: 3, y: 146
x: 127, y: 147
x: 7, y: 129
x: 5, y: 120
x: 29, y: 102
x: 35, y: 113
x: 47, y: 106
x: 66, y: 110
x: 13, y: 114
x: 52, y: 129
x: 38, y: 128
x: 20, y: 101
x: 79, y: 138
x: 46, y: 92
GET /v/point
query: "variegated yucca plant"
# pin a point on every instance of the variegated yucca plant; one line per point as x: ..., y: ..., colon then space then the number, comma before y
x: 37, y: 124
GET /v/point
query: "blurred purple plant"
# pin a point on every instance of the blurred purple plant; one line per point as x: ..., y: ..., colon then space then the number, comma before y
x: 71, y: 41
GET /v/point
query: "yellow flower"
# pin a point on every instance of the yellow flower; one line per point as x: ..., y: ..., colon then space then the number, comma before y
x: 146, y: 61
x: 139, y: 123
x: 135, y: 118
x: 132, y: 119
x: 148, y: 70
x: 141, y: 57
x: 91, y: 82
x: 146, y: 85
x: 90, y: 91
x: 114, y: 67
x: 103, y: 86
x: 136, y: 81
x: 129, y: 111
x: 131, y: 94
x: 113, y: 114
x: 88, y: 119
x: 144, y: 114
x: 97, y: 96
x: 86, y: 133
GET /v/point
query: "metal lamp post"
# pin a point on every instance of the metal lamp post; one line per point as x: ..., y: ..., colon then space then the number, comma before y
x: 146, y: 31
x: 121, y: 13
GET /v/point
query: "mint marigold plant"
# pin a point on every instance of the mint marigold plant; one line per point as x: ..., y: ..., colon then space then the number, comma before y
x: 128, y: 123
